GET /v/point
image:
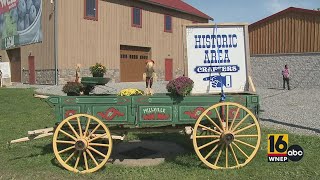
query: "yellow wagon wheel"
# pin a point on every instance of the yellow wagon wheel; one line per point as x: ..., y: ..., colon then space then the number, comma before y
x: 82, y: 143
x: 232, y: 136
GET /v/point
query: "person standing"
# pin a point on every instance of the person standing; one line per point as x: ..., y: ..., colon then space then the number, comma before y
x: 285, y: 75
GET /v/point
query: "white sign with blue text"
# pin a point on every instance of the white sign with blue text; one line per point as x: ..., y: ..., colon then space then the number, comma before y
x: 216, y: 57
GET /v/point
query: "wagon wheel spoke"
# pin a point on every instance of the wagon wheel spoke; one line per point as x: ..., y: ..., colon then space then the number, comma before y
x: 219, y: 154
x: 212, y: 142
x: 215, y: 124
x: 94, y: 130
x: 243, y: 119
x: 87, y: 128
x: 96, y: 151
x: 216, y: 149
x: 247, y: 136
x: 72, y: 129
x: 227, y: 117
x: 244, y: 143
x: 98, y: 144
x: 208, y: 136
x: 85, y: 160
x: 219, y: 117
x: 240, y: 150
x: 71, y: 155
x: 67, y: 134
x: 77, y: 161
x: 234, y: 118
x: 65, y: 150
x: 234, y: 154
x: 91, y: 156
x: 66, y: 142
x: 226, y: 156
x: 247, y: 127
x: 79, y: 126
x: 213, y: 149
x: 209, y: 129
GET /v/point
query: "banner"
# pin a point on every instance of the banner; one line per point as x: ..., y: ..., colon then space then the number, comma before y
x: 20, y: 23
x: 216, y: 58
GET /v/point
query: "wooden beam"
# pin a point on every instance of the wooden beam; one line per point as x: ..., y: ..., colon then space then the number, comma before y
x: 40, y: 131
x: 29, y: 138
x: 251, y: 85
x: 40, y: 96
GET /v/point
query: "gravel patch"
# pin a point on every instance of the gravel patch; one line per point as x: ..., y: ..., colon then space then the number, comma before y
x: 296, y: 110
x: 110, y: 88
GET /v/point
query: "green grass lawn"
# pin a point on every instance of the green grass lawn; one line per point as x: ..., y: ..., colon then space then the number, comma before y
x: 20, y: 112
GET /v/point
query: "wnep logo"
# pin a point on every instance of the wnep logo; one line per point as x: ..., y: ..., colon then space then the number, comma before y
x: 278, y: 150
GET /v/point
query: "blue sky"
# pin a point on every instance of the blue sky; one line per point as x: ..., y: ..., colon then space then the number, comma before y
x: 248, y: 11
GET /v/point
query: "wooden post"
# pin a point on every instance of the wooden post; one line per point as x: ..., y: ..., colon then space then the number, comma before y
x: 251, y: 85
x: 0, y: 78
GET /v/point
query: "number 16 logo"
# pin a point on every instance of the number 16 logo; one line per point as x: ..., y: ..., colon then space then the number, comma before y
x: 277, y: 144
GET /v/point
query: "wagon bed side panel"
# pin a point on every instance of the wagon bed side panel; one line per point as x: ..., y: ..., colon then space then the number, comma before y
x: 109, y: 109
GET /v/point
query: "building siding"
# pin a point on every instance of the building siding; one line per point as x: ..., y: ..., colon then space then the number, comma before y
x: 43, y: 52
x: 85, y: 42
x: 293, y: 32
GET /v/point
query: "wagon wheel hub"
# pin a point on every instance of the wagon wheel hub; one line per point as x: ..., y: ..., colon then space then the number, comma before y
x: 81, y: 145
x: 227, y: 138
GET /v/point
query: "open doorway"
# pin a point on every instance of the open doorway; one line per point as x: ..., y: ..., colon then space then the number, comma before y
x: 15, y: 64
x: 132, y: 62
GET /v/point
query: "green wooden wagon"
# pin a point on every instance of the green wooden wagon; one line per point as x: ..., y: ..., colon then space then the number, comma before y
x: 225, y: 134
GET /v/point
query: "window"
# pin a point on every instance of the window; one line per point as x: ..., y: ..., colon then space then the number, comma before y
x: 143, y: 57
x: 167, y: 23
x: 123, y: 56
x: 133, y: 56
x: 91, y: 9
x: 136, y: 17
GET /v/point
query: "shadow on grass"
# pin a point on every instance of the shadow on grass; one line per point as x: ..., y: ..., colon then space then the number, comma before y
x: 184, y: 157
x: 291, y: 125
x: 47, y: 149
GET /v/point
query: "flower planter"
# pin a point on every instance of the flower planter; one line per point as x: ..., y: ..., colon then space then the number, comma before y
x: 98, y: 70
x: 97, y: 74
x: 73, y: 94
x: 72, y: 88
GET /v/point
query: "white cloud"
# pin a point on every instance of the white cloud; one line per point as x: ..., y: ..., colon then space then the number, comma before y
x: 274, y: 6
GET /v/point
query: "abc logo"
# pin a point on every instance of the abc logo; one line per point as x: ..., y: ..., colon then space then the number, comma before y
x: 295, y: 153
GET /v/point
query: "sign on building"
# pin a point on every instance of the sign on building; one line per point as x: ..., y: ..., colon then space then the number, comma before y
x: 217, y: 48
x: 20, y: 23
x: 5, y: 69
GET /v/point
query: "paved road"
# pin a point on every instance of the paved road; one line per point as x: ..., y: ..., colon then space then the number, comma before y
x: 296, y: 110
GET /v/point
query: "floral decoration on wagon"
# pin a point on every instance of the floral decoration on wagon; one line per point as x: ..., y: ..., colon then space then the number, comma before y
x: 98, y: 70
x: 73, y: 88
x: 130, y: 92
x: 181, y: 86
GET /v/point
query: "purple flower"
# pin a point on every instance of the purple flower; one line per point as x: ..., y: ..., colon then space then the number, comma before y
x: 180, y: 86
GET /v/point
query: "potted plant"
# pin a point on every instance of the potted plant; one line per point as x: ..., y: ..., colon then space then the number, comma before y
x: 98, y: 70
x: 130, y: 92
x: 72, y: 88
x: 181, y: 86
